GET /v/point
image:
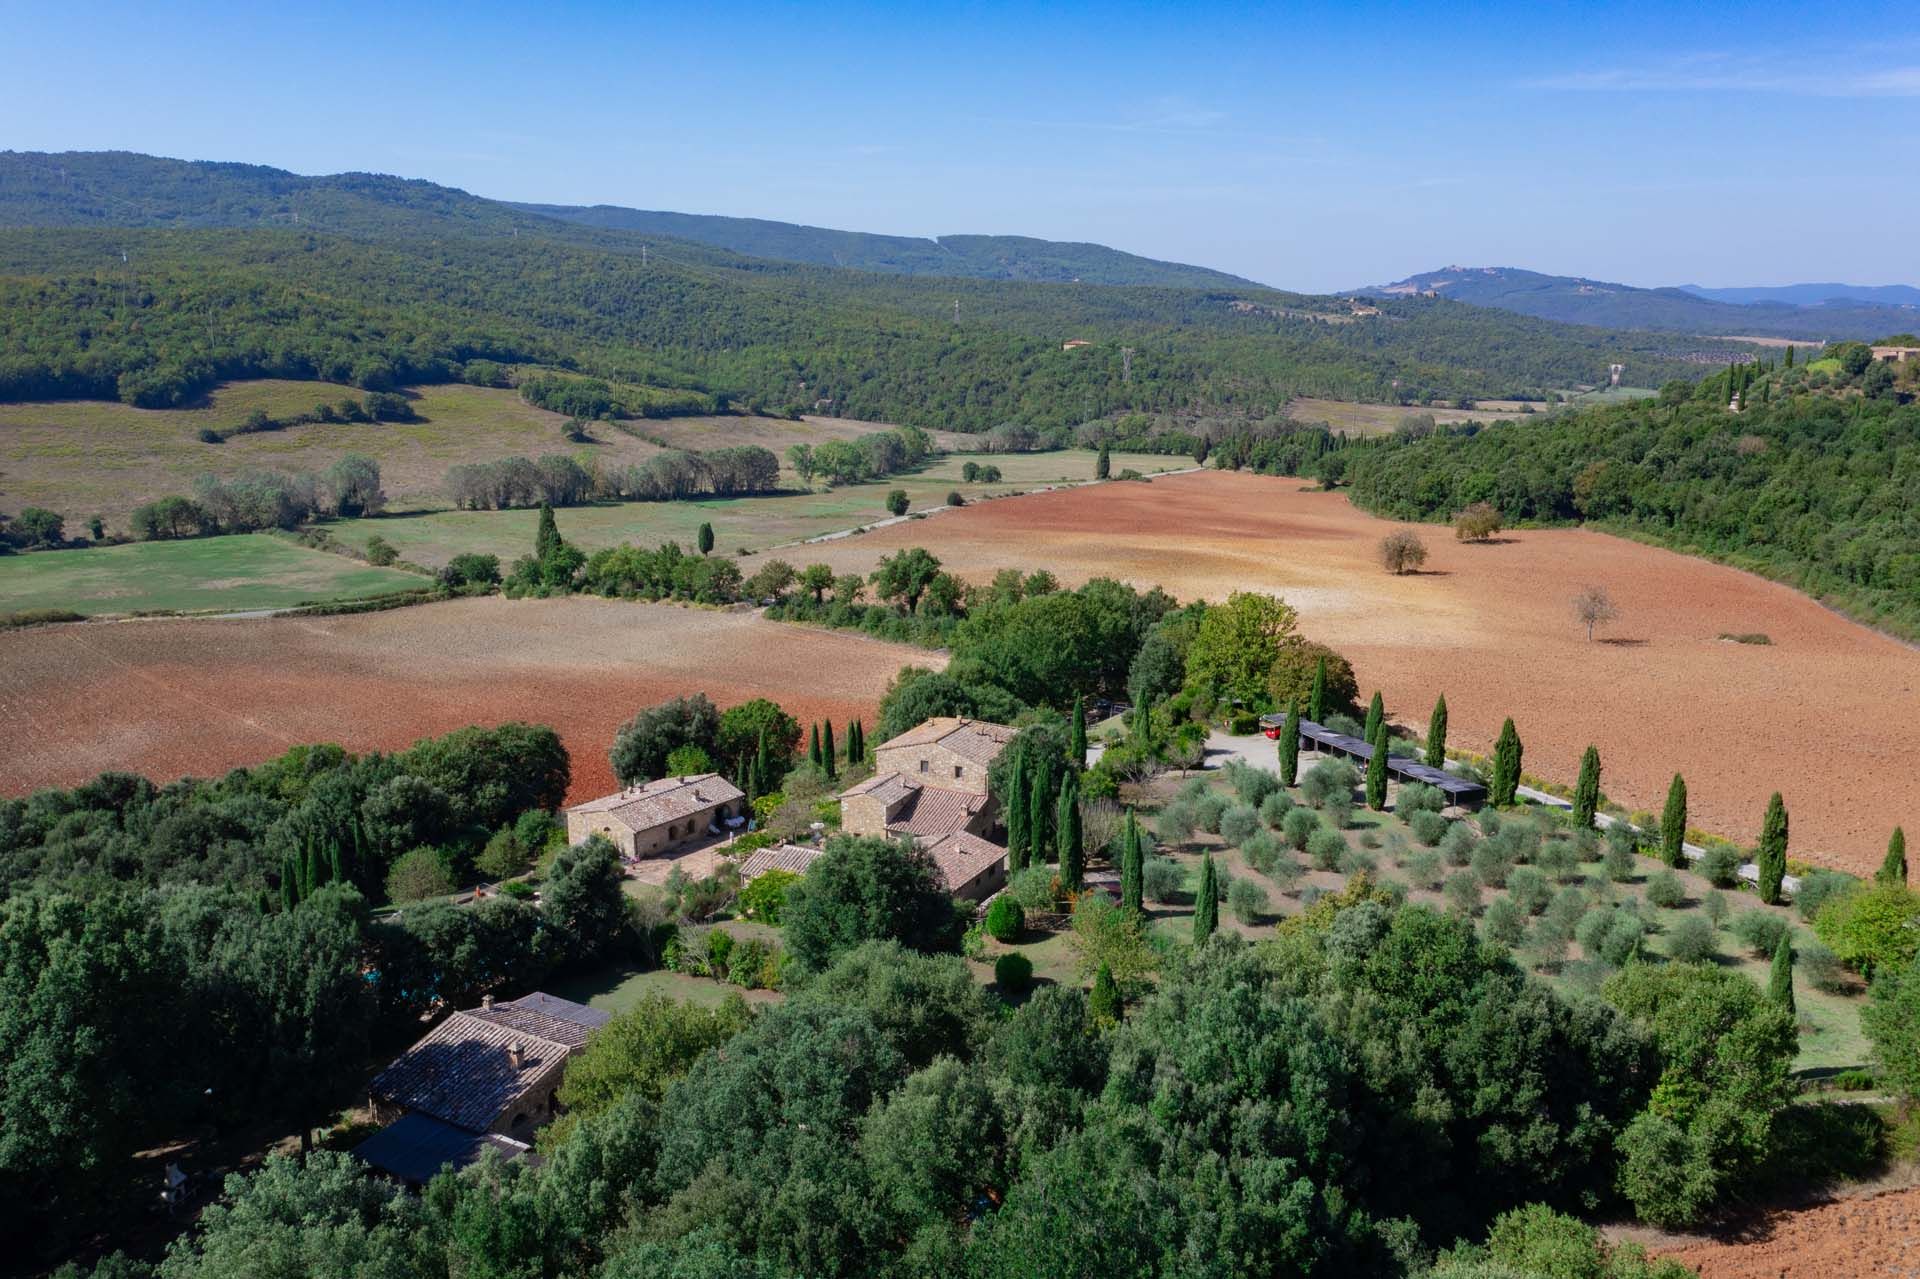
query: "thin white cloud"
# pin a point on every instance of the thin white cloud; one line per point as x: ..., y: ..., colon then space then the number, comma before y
x: 1848, y: 78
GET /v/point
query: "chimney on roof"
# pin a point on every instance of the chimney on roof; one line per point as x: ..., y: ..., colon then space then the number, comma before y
x: 486, y: 1003
x: 516, y: 1056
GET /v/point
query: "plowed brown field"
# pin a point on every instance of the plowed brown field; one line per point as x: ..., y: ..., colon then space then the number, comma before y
x: 176, y: 698
x: 1875, y: 1236
x: 1829, y: 714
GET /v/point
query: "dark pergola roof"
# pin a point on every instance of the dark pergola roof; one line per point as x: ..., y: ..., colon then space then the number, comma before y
x: 415, y: 1147
x: 1406, y: 769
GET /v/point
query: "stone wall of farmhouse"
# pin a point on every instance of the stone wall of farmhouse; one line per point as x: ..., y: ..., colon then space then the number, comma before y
x: 934, y: 765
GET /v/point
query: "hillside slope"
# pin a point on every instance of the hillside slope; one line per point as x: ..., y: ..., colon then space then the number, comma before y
x: 1576, y: 300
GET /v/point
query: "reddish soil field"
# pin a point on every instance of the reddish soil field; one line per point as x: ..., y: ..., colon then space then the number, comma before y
x: 1828, y: 714
x: 178, y: 698
x: 1877, y: 1235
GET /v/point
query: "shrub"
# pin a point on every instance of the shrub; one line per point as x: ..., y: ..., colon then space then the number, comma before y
x: 1462, y: 892
x: 954, y: 498
x: 1491, y: 864
x: 1338, y: 808
x: 1005, y: 920
x: 1618, y: 863
x: 1665, y: 890
x: 1251, y: 784
x: 1299, y: 827
x: 765, y: 897
x: 380, y: 552
x: 1013, y: 972
x: 1715, y: 904
x: 1721, y: 866
x: 1275, y: 807
x: 1425, y: 870
x: 1559, y: 859
x: 1428, y: 827
x: 1356, y: 861
x: 1822, y: 968
x: 1262, y: 851
x: 1328, y: 778
x: 1693, y: 941
x: 1872, y: 928
x: 1529, y: 889
x: 1326, y: 847
x: 1238, y: 823
x: 1505, y: 923
x: 1162, y: 880
x: 418, y: 875
x: 1819, y: 887
x: 1175, y: 823
x: 1612, y: 936
x: 1032, y: 887
x: 1286, y: 872
x: 1760, y: 931
x: 1247, y: 900
x: 1208, y: 809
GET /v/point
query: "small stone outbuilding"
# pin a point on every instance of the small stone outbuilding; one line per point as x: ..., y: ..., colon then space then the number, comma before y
x: 660, y: 816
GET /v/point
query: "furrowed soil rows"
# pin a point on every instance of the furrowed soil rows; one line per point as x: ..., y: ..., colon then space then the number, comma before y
x: 1828, y: 713
x: 175, y: 698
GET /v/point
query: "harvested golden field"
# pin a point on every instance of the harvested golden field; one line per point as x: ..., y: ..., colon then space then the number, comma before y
x: 198, y: 697
x: 1828, y: 714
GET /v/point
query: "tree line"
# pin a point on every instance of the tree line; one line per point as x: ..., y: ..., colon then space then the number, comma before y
x: 558, y: 480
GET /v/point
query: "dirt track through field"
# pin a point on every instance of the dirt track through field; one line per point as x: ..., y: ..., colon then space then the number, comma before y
x: 176, y: 698
x: 1828, y: 714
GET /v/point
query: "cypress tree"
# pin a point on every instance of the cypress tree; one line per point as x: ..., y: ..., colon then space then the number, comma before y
x: 1377, y: 770
x: 705, y: 538
x: 1037, y: 797
x: 1894, y: 869
x: 1437, y: 734
x: 1506, y: 766
x: 1133, y: 866
x: 826, y: 748
x: 856, y: 743
x: 1772, y: 859
x: 1780, y: 980
x: 1673, y: 824
x: 1290, y: 747
x: 1078, y: 749
x: 547, y: 539
x: 1206, y: 908
x: 813, y: 746
x: 763, y: 765
x: 335, y: 870
x: 1102, y: 465
x: 1586, y: 794
x: 1789, y: 356
x: 1068, y: 834
x: 309, y: 870
x: 1317, y: 699
x: 289, y: 887
x: 1104, y: 1003
x: 1017, y: 816
x: 1376, y: 716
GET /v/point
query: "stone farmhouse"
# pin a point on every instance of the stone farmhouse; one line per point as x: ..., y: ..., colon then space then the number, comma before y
x: 484, y: 1077
x: 930, y: 785
x: 658, y: 817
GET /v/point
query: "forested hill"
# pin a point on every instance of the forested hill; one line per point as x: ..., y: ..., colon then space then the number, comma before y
x: 1816, y: 483
x: 155, y: 317
x: 120, y: 188
x: 983, y: 257
x: 1575, y: 300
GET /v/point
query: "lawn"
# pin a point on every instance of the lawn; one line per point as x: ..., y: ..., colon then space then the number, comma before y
x: 739, y: 523
x: 250, y: 571
x: 618, y: 989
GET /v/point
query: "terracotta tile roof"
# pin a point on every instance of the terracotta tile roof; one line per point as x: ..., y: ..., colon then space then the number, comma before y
x: 976, y: 739
x: 462, y: 1072
x: 962, y: 858
x: 798, y: 858
x: 670, y: 799
x: 888, y: 788
x: 933, y: 811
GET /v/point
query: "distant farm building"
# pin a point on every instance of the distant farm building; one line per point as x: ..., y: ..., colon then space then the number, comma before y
x: 654, y: 818
x: 930, y: 785
x: 1896, y: 354
x: 484, y: 1078
x: 1074, y: 344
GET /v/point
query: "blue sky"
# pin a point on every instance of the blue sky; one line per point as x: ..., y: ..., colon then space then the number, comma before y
x: 1309, y: 146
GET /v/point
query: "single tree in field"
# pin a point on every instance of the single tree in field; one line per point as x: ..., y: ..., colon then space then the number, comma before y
x: 1206, y: 907
x: 1477, y: 522
x: 1771, y: 860
x: 1673, y: 824
x: 897, y: 502
x: 1077, y: 749
x: 1586, y: 793
x: 1437, y: 734
x: 1894, y: 869
x: 547, y: 538
x: 1377, y: 770
x: 1017, y: 815
x: 1290, y: 747
x: 817, y: 579
x: 1317, y: 698
x: 1505, y: 783
x: 1376, y: 715
x: 1102, y: 465
x: 1592, y: 606
x: 1780, y: 979
x: 1132, y: 865
x: 704, y: 538
x: 1068, y: 833
x: 1402, y: 551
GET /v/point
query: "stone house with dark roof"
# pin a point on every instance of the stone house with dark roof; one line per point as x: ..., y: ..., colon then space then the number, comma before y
x: 659, y: 816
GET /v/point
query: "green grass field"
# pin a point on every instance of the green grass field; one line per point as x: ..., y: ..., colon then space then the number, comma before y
x: 618, y: 989
x: 251, y: 571
x: 752, y: 523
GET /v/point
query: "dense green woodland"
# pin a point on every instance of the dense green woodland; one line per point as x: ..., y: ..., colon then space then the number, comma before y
x: 1817, y: 491
x: 189, y: 308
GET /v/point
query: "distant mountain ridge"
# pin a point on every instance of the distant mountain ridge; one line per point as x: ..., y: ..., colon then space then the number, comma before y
x: 1812, y: 294
x: 1577, y: 300
x: 124, y: 188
